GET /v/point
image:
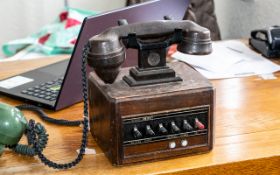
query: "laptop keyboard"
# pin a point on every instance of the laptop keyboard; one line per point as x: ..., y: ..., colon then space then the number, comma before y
x: 47, y: 91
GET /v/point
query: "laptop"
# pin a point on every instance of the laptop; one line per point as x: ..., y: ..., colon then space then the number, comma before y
x: 58, y: 85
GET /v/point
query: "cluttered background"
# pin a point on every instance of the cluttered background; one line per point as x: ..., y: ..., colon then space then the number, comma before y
x: 26, y: 22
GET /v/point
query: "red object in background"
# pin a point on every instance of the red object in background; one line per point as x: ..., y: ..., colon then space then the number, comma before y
x: 73, y: 41
x: 44, y: 38
x: 63, y: 16
x: 172, y: 49
x: 71, y: 22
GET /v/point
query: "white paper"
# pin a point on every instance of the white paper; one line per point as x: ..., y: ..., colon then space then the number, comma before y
x: 14, y: 82
x: 268, y: 76
x: 241, y: 61
x: 218, y: 61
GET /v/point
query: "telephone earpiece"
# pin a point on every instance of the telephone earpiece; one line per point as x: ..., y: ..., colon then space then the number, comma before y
x: 107, y: 50
x: 106, y: 56
x: 195, y: 43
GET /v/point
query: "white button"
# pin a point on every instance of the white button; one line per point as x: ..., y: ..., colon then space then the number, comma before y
x: 172, y: 145
x: 184, y: 142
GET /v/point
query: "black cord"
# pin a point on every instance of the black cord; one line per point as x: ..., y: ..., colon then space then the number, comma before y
x: 34, y: 132
x: 45, y: 117
x: 38, y: 137
x: 85, y: 129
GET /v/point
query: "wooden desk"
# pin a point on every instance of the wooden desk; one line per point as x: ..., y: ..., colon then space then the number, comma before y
x: 247, y: 135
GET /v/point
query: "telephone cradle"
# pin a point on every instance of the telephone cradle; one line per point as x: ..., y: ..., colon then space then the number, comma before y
x: 154, y: 110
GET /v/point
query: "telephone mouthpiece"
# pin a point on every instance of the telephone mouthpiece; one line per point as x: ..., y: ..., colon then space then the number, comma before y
x: 108, y: 75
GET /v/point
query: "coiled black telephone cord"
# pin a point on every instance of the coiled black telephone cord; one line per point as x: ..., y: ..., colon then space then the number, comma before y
x: 36, y: 133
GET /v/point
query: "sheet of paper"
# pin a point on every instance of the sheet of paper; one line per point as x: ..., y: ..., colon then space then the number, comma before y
x: 218, y: 61
x: 242, y: 61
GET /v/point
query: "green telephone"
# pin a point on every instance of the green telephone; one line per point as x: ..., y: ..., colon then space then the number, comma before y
x: 12, y: 125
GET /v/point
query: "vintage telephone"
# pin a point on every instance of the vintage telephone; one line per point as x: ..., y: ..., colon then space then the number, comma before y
x: 153, y: 111
x: 266, y: 41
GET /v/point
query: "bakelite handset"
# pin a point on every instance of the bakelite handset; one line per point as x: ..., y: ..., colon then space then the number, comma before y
x: 107, y: 50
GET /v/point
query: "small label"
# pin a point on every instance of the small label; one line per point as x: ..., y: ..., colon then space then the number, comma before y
x: 88, y: 151
x: 14, y: 82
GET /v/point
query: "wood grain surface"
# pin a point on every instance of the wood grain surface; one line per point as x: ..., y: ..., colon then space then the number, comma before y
x: 246, y: 140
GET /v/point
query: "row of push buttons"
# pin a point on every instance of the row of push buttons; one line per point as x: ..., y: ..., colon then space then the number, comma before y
x: 198, y: 125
